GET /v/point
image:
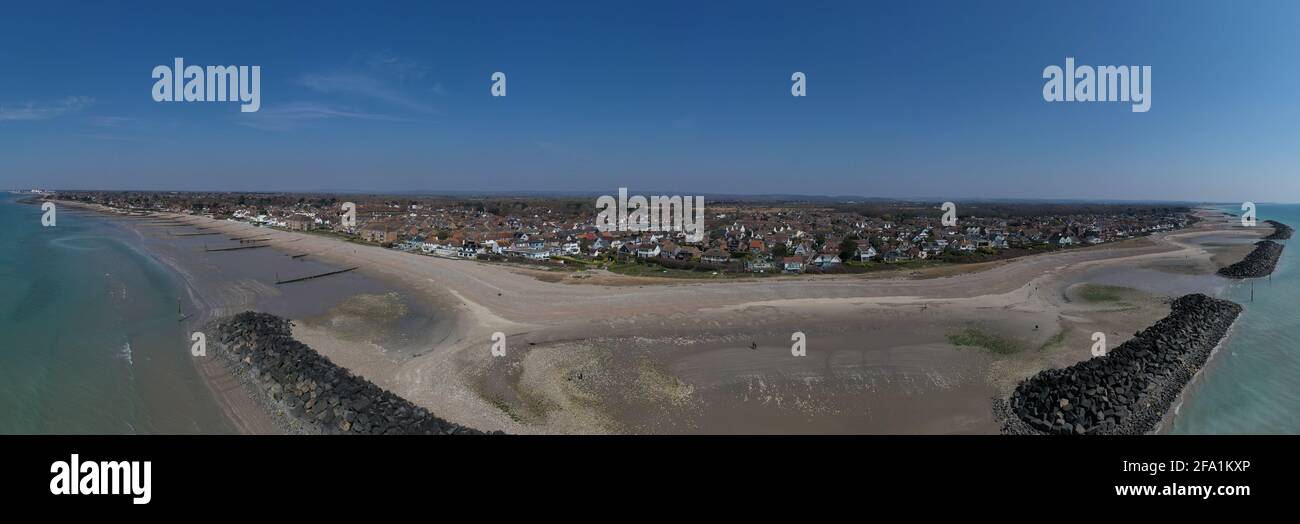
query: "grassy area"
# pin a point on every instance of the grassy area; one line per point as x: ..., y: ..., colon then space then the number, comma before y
x: 1101, y: 293
x: 868, y: 267
x: 974, y: 337
x: 500, y: 404
x: 1056, y: 339
x: 571, y: 260
x: 654, y: 270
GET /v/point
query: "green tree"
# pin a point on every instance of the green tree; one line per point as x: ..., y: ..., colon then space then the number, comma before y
x: 847, y: 247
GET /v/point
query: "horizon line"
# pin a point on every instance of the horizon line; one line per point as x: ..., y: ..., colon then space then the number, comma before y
x: 587, y: 193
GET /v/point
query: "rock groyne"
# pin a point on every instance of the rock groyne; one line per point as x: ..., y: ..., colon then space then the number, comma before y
x: 1280, y: 231
x: 1129, y: 390
x: 310, y: 393
x: 1259, y: 263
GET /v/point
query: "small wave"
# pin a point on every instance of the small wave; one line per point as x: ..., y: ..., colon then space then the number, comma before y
x: 126, y: 355
x: 79, y: 243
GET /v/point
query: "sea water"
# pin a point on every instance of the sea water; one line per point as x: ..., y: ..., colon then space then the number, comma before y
x: 90, y: 337
x: 1252, y: 384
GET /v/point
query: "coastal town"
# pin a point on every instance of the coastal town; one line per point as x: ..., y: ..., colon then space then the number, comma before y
x: 748, y: 237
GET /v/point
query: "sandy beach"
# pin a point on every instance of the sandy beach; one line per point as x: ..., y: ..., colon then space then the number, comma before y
x: 593, y: 352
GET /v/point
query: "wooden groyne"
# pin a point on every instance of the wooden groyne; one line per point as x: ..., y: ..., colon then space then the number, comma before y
x: 309, y: 277
x: 193, y: 234
x: 236, y: 247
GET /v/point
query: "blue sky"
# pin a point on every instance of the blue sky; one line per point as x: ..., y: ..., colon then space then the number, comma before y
x: 930, y: 99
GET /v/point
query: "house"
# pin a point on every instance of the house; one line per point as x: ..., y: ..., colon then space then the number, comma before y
x: 668, y: 249
x: 760, y: 264
x: 792, y: 264
x: 897, y: 256
x: 529, y: 253
x: 715, y: 256
x: 300, y: 223
x: 687, y: 253
x: 825, y: 260
x: 1062, y: 240
x: 469, y: 249
x: 864, y: 252
x: 647, y: 250
x: 379, y: 233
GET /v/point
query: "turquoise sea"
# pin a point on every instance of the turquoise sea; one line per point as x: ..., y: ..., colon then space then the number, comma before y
x: 89, y: 335
x: 1252, y: 385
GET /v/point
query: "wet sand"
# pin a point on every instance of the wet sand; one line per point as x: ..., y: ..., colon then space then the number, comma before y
x: 221, y: 283
x: 612, y: 354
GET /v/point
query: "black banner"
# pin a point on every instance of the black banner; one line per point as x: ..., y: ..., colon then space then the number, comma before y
x: 312, y: 473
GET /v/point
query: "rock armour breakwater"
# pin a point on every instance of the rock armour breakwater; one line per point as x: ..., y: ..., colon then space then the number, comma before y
x: 1280, y: 231
x: 1259, y: 263
x: 1129, y: 390
x: 311, y: 393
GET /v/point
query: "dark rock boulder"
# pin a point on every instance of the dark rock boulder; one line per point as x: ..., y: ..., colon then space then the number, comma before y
x: 313, y: 391
x: 1129, y: 390
x: 1280, y: 231
x: 1259, y: 263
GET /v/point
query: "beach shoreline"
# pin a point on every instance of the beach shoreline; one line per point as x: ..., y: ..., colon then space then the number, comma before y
x: 534, y: 390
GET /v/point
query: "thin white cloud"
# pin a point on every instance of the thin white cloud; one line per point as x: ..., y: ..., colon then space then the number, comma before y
x: 32, y: 111
x: 292, y: 115
x: 111, y: 121
x: 389, y: 63
x: 351, y: 84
